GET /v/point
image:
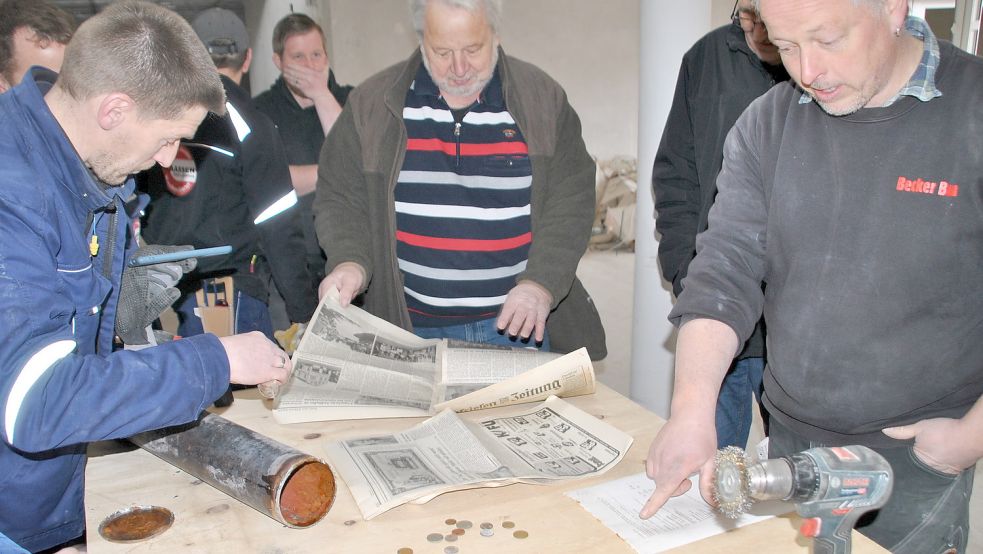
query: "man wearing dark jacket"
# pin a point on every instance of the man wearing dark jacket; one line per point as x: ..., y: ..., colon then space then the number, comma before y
x: 719, y: 77
x: 231, y: 185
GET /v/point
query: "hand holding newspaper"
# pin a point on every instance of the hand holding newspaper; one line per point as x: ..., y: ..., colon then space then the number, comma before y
x: 549, y: 442
x: 353, y: 365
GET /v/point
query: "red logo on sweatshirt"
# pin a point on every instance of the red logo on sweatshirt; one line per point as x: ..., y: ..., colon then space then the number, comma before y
x: 921, y: 186
x: 181, y: 177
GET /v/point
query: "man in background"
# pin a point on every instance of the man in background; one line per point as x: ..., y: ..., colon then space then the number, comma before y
x: 304, y: 104
x: 461, y: 201
x: 720, y: 75
x: 233, y: 188
x: 66, y: 153
x: 32, y: 32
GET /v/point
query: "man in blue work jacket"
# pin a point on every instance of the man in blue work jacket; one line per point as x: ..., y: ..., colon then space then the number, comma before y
x: 135, y: 81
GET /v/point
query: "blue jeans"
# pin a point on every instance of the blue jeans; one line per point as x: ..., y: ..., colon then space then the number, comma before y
x: 928, y: 512
x: 734, y: 408
x: 483, y: 331
x: 250, y: 315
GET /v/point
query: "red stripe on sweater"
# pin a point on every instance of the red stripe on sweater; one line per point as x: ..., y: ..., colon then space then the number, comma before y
x: 464, y: 245
x: 467, y: 149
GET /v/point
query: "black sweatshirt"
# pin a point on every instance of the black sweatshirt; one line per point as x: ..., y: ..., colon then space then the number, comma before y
x: 868, y: 230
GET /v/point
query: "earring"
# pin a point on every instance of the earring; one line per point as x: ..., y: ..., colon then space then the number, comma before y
x: 897, y: 31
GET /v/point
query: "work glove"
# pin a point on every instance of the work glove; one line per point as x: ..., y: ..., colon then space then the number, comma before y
x: 289, y: 338
x: 148, y: 290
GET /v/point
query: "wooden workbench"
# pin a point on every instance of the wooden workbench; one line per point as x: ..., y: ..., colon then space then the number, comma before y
x: 207, y: 520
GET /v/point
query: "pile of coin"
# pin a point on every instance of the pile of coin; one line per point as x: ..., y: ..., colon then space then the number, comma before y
x: 460, y: 528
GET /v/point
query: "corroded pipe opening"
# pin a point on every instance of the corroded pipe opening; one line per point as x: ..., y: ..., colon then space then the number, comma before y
x: 282, y: 482
x: 306, y: 494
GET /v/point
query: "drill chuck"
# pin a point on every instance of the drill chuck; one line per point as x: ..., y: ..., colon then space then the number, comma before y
x: 831, y: 488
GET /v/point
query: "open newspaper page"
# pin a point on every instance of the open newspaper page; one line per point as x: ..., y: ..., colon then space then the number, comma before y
x: 352, y: 365
x: 544, y: 443
x: 475, y: 378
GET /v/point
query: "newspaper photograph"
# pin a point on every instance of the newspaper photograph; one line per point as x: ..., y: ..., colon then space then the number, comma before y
x: 551, y: 441
x: 352, y: 365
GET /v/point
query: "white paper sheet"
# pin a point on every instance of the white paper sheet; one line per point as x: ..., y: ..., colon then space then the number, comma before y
x: 684, y: 519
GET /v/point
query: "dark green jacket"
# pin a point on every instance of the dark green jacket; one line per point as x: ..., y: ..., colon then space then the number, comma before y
x: 355, y: 211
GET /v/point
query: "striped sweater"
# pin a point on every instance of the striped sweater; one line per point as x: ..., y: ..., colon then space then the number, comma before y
x: 463, y: 226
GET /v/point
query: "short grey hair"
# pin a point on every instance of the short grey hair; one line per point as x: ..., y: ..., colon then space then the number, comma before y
x: 147, y: 52
x: 491, y: 8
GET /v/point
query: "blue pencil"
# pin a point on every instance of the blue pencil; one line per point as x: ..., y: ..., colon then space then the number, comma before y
x: 182, y: 255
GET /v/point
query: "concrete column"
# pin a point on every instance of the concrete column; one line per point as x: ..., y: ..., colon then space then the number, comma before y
x: 668, y: 29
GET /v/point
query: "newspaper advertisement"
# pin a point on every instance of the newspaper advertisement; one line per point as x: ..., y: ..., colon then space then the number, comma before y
x: 545, y: 443
x: 352, y: 365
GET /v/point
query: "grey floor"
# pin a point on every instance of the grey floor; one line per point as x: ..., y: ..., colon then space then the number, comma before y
x: 609, y: 276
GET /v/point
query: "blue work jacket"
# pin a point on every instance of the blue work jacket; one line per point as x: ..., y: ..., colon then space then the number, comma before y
x: 62, y: 384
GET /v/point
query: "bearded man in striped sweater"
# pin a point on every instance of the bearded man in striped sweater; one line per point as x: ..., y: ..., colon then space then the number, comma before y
x: 455, y: 192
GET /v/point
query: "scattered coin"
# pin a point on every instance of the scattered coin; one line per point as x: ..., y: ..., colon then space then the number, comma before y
x: 458, y: 531
x: 487, y: 532
x: 136, y: 523
x: 405, y: 550
x: 508, y: 524
x: 451, y: 550
x: 450, y: 521
x: 450, y: 538
x: 435, y: 537
x: 520, y: 534
x: 464, y: 524
x: 486, y: 525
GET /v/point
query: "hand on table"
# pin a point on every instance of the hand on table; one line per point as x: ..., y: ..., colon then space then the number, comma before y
x: 525, y: 310
x: 682, y: 447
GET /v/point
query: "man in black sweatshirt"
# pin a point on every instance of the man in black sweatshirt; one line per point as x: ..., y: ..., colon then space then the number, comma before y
x: 858, y: 198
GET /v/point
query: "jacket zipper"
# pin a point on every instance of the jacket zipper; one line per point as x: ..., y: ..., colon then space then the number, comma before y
x: 107, y: 259
x: 457, y: 138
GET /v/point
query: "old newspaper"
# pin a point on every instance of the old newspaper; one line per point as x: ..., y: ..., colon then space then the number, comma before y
x: 353, y: 365
x: 552, y: 441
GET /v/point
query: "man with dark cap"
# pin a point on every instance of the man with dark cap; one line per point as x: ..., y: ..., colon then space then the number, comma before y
x: 231, y: 185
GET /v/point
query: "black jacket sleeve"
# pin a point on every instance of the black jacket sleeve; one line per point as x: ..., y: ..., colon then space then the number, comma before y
x: 676, y: 187
x: 266, y: 181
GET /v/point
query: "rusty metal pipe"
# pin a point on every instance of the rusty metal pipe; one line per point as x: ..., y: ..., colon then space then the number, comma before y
x: 286, y: 484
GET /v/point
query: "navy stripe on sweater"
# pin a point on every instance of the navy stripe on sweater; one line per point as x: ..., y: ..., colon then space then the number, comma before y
x: 463, y: 227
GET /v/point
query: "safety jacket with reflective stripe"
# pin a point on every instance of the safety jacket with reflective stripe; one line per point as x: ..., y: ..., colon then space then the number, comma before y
x: 61, y: 383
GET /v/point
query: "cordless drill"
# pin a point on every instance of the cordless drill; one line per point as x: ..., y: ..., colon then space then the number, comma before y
x: 831, y: 488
